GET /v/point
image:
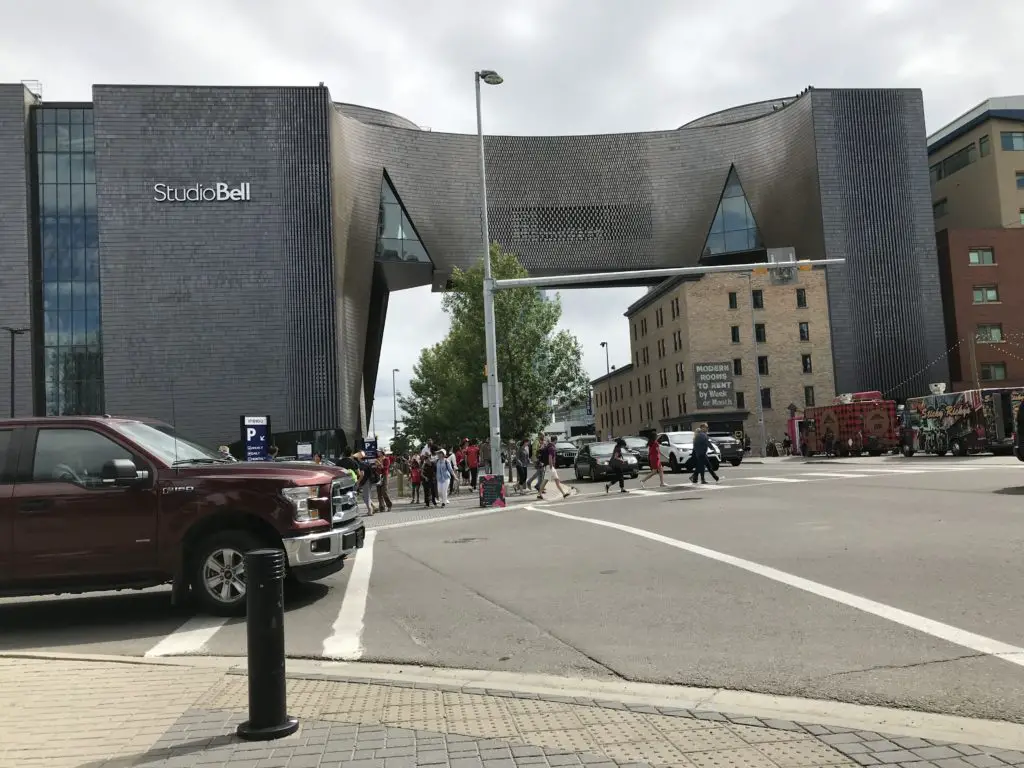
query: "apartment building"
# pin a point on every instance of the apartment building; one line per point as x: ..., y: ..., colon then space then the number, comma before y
x: 977, y: 179
x: 715, y: 349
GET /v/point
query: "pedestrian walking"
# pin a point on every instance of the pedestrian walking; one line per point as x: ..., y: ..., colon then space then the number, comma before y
x: 473, y: 460
x: 654, y: 459
x: 382, y: 469
x: 550, y: 454
x: 701, y: 465
x: 617, y: 466
x: 429, y: 482
x: 522, y: 465
x: 444, y: 476
x: 415, y: 478
x: 538, y: 466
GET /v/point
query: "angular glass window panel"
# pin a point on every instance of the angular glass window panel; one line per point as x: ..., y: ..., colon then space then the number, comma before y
x: 88, y: 138
x: 715, y: 244
x: 77, y: 167
x: 92, y: 232
x: 49, y: 200
x: 63, y: 137
x: 76, y: 116
x: 64, y: 199
x: 737, y: 241
x: 78, y: 232
x: 63, y: 168
x: 718, y: 225
x: 77, y: 199
x: 78, y: 320
x: 87, y: 115
x: 408, y: 233
x: 89, y: 168
x: 77, y: 296
x: 48, y: 143
x: 413, y: 250
x: 92, y: 327
x: 390, y: 249
x: 734, y: 212
x: 77, y: 139
x: 90, y: 199
x: 65, y: 264
x: 62, y: 116
x: 92, y: 297
x: 92, y: 264
x: 391, y: 221
x: 48, y: 164
x: 732, y: 185
x: 387, y: 194
x: 49, y: 265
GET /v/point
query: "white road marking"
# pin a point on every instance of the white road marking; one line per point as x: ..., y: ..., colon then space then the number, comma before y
x: 427, y: 521
x: 774, y: 479
x: 893, y: 471
x: 346, y: 639
x: 828, y: 474
x: 986, y: 645
x: 190, y: 637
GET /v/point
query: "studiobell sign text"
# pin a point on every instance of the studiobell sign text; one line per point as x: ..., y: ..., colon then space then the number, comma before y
x: 219, y: 191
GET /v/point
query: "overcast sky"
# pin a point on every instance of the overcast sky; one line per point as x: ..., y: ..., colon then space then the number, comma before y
x: 570, y: 66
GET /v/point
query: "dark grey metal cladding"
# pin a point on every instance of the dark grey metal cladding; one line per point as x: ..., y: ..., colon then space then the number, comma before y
x: 212, y: 309
x: 885, y: 302
x: 15, y: 246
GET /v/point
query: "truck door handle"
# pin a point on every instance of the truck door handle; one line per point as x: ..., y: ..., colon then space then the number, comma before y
x: 36, y: 505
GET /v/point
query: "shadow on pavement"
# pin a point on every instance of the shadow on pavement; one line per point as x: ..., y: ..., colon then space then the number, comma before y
x: 1017, y: 490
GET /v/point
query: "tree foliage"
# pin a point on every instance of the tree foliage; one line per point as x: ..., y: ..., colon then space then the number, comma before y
x: 536, y: 363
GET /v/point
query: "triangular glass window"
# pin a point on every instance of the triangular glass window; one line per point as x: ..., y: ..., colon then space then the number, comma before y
x: 397, y: 239
x: 733, y: 229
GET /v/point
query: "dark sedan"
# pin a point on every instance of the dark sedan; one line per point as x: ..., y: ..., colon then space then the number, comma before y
x: 565, y: 454
x: 638, y: 447
x: 730, y: 448
x: 593, y: 462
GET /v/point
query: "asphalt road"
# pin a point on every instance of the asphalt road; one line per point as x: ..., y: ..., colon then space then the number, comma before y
x: 881, y: 581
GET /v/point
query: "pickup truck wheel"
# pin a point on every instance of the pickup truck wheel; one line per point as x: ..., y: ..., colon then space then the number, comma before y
x: 218, y: 571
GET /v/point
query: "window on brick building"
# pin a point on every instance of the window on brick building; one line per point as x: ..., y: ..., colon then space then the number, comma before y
x: 984, y: 146
x: 986, y: 294
x: 757, y: 297
x: 735, y: 331
x: 760, y: 334
x: 801, y: 298
x: 993, y: 371
x: 805, y: 363
x: 809, y: 397
x: 989, y: 333
x: 762, y: 365
x: 741, y: 402
x: 1012, y: 141
x: 980, y: 257
x: 766, y: 397
x: 805, y: 332
x: 733, y: 300
x: 737, y: 367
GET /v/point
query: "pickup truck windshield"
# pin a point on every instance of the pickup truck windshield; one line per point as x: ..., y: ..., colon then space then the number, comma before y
x: 170, y: 449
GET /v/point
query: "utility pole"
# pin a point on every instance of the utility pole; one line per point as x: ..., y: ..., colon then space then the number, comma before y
x: 607, y: 366
x: 14, y: 332
x: 394, y: 398
x: 973, y: 340
x: 757, y: 366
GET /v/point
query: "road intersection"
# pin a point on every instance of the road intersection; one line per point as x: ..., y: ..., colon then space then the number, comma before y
x: 885, y: 581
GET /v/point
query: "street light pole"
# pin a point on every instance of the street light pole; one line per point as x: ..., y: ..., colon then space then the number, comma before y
x: 757, y: 366
x: 394, y: 398
x: 490, y: 335
x: 13, y: 332
x: 607, y: 364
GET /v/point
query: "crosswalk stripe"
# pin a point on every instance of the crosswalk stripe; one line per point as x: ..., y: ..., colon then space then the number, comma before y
x: 776, y: 479
x: 828, y: 474
x: 894, y: 471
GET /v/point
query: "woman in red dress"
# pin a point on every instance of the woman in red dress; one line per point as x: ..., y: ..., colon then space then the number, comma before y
x: 654, y: 458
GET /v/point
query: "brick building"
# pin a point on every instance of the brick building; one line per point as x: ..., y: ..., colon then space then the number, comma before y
x: 977, y: 179
x: 778, y: 333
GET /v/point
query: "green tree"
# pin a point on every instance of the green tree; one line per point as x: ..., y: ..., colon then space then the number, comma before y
x: 401, y: 444
x: 536, y: 363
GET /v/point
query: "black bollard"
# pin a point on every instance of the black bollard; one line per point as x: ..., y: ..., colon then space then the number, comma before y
x: 268, y: 693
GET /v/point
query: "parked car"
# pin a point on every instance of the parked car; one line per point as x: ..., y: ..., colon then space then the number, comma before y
x: 565, y: 454
x: 101, y: 503
x: 729, y: 448
x: 677, y: 451
x: 593, y: 462
x: 638, y: 447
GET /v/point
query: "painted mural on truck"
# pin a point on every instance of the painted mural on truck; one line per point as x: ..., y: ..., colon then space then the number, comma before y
x: 859, y: 423
x: 959, y: 423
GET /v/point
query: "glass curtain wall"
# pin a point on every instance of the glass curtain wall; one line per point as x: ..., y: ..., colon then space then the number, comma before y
x: 69, y: 275
x: 733, y: 229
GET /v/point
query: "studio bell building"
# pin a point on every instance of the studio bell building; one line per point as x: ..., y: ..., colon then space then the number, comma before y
x: 193, y: 254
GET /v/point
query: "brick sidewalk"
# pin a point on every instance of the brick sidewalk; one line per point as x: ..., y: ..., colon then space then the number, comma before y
x: 92, y: 714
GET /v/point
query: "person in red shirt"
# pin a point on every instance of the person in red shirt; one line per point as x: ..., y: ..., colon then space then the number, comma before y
x: 415, y: 478
x: 473, y: 460
x: 654, y: 457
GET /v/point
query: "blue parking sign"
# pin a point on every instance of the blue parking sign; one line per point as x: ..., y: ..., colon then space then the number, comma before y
x: 256, y: 437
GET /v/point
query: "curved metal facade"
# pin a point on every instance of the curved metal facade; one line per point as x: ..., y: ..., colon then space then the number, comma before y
x: 278, y: 306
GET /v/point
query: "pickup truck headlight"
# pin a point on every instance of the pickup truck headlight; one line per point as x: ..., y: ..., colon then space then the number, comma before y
x: 299, y: 498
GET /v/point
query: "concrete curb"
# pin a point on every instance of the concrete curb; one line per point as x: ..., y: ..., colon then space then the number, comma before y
x: 616, y: 694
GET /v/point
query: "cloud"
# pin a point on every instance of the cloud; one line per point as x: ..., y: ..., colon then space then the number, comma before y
x: 569, y: 67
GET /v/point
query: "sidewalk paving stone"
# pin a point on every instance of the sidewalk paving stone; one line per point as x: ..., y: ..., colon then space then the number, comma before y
x: 65, y: 714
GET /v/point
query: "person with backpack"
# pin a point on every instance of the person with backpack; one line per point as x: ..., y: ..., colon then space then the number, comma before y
x: 550, y: 454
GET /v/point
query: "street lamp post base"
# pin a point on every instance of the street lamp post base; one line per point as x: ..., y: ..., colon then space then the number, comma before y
x: 279, y: 731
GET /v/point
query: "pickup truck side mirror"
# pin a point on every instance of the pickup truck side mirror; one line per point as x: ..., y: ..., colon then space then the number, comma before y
x: 121, y: 472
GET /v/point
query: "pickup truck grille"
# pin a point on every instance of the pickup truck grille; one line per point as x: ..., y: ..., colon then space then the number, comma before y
x: 344, y: 506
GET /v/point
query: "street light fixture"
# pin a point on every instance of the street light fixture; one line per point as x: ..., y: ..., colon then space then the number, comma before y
x: 13, y: 332
x: 607, y: 365
x: 490, y: 77
x: 394, y: 399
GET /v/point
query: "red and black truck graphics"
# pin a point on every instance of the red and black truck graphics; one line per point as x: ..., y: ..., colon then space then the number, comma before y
x: 972, y: 421
x: 858, y: 423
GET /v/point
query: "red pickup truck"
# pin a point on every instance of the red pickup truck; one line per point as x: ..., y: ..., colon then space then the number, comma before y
x: 100, y: 503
